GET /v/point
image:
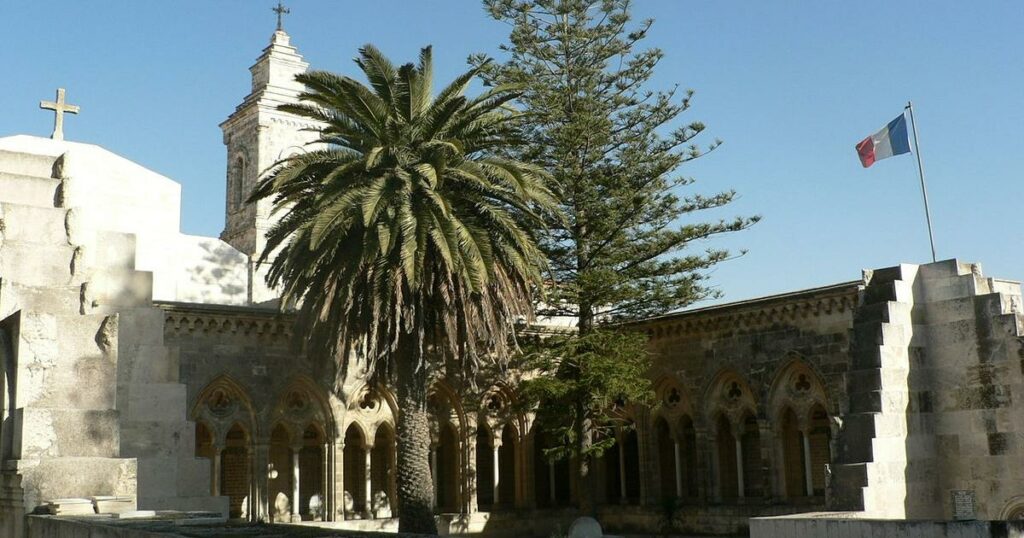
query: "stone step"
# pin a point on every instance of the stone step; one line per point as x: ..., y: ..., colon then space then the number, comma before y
x: 69, y: 433
x: 157, y: 402
x: 57, y: 299
x: 199, y: 503
x: 27, y: 164
x: 62, y: 351
x: 29, y: 190
x: 36, y: 265
x: 110, y: 290
x: 31, y: 224
x: 82, y: 477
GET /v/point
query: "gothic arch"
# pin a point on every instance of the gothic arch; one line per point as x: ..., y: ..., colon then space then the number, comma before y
x: 497, y: 411
x: 221, y: 404
x: 728, y: 394
x: 301, y: 403
x: 798, y: 408
x: 798, y: 386
x: 673, y: 403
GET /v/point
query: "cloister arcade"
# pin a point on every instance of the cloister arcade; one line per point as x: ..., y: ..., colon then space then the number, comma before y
x: 315, y: 457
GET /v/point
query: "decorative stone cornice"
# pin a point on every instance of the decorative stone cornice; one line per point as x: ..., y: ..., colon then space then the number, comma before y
x: 755, y: 313
x: 186, y: 318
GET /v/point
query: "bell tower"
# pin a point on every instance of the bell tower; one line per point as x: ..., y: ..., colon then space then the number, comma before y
x: 257, y: 135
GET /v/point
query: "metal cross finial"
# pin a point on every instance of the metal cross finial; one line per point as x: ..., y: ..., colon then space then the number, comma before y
x: 280, y: 10
x: 59, y: 108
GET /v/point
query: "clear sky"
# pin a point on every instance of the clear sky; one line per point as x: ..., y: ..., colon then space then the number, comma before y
x: 790, y: 87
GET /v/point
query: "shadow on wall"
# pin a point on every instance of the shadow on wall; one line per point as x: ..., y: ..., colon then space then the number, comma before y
x: 215, y: 273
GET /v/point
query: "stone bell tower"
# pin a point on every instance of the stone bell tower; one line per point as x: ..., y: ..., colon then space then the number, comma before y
x: 257, y: 135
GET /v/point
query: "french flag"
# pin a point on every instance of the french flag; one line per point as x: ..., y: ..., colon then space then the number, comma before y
x: 892, y: 139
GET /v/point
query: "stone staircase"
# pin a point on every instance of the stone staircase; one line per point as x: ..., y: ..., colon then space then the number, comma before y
x: 904, y: 350
x: 93, y: 402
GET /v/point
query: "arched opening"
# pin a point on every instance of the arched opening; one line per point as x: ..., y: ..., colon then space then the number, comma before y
x: 484, y: 468
x: 752, y: 469
x: 204, y: 449
x: 382, y: 471
x: 668, y: 472
x: 234, y: 471
x: 280, y: 486
x: 236, y: 183
x: 688, y: 448
x: 631, y: 453
x: 820, y: 438
x: 508, y: 468
x: 311, y: 473
x: 794, y: 475
x: 550, y: 479
x: 355, y: 472
x: 448, y: 476
x: 728, y: 477
x: 622, y: 469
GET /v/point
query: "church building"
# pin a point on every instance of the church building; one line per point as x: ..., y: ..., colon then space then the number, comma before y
x: 151, y: 368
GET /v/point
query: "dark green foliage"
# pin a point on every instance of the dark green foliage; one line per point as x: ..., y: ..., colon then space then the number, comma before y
x: 627, y: 247
x: 601, y: 370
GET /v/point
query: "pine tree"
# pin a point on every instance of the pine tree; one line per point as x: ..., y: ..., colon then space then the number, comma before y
x: 625, y: 249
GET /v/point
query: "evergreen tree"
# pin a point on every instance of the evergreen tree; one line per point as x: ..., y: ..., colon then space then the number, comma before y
x: 624, y: 250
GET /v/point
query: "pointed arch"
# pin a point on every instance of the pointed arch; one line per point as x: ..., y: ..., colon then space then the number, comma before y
x: 301, y: 402
x: 222, y: 403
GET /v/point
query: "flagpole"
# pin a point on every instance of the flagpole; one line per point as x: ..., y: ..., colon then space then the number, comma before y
x: 920, y: 171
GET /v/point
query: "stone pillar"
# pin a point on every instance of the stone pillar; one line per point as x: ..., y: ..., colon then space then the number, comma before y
x: 809, y: 481
x: 677, y: 453
x: 215, y: 471
x: 338, y: 499
x: 496, y: 449
x: 470, y: 500
x: 296, y: 508
x: 622, y: 469
x: 551, y: 483
x: 433, y: 472
x: 739, y: 465
x: 368, y: 487
x: 259, y: 505
x: 327, y: 492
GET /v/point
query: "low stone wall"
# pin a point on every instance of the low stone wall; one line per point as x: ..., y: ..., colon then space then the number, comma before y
x: 828, y: 525
x: 102, y: 526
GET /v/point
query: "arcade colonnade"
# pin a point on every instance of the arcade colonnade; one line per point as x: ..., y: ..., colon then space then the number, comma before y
x: 725, y: 446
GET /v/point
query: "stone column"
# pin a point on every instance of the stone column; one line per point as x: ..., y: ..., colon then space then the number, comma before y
x: 551, y: 483
x: 622, y: 469
x: 677, y: 453
x: 739, y: 466
x: 296, y: 504
x: 215, y: 484
x: 326, y: 491
x: 809, y: 481
x: 368, y: 487
x: 259, y: 505
x: 496, y: 449
x: 433, y: 472
x: 338, y: 499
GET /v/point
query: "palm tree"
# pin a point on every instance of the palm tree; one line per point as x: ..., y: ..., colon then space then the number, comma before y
x: 406, y: 239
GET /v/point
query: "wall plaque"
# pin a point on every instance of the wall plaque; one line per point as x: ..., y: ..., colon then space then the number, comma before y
x: 963, y: 501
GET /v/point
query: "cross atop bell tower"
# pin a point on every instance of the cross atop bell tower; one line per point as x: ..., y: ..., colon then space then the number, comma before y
x: 280, y: 10
x: 258, y: 134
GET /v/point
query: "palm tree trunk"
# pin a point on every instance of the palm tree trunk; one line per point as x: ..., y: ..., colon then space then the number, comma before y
x: 415, y: 487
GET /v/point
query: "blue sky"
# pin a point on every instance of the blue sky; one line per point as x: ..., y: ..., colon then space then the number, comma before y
x: 790, y: 87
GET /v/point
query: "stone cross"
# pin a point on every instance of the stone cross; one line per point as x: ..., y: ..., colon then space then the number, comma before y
x: 280, y: 10
x: 59, y: 108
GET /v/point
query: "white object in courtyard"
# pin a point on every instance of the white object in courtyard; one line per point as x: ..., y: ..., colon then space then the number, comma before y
x: 586, y: 527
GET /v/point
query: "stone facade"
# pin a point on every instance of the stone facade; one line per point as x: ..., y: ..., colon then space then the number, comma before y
x: 142, y: 362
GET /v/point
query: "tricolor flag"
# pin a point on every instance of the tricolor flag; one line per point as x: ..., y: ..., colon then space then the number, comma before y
x: 893, y: 139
